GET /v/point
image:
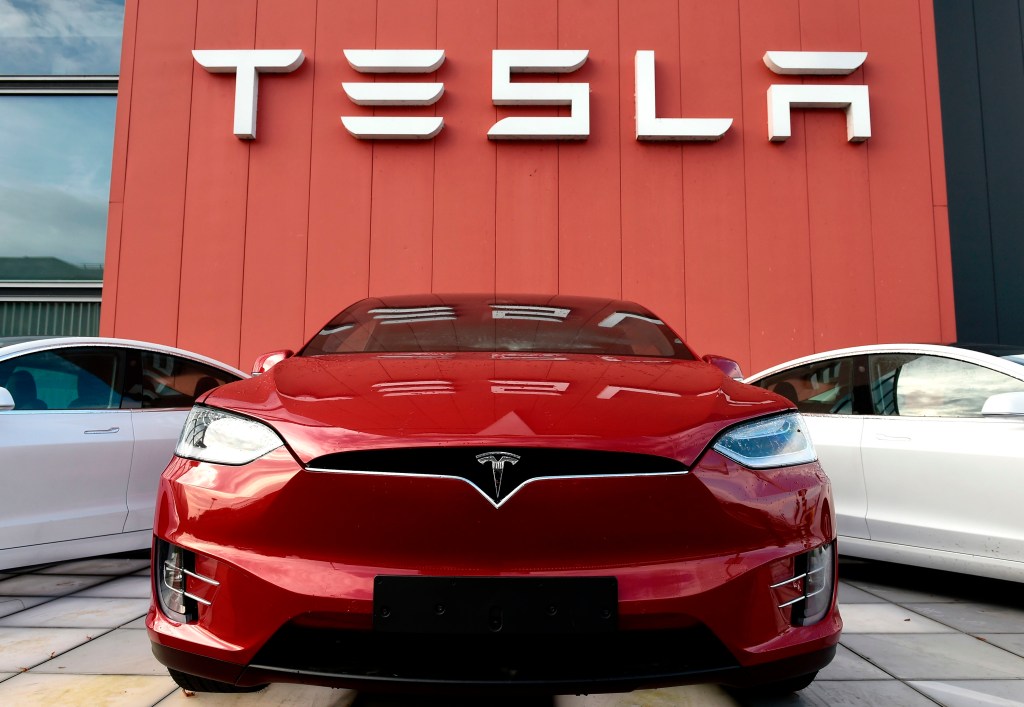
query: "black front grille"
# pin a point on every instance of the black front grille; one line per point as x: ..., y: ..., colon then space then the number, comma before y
x: 497, y: 471
x: 516, y: 658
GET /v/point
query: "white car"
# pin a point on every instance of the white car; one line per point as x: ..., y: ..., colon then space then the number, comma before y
x: 87, y: 426
x: 925, y: 449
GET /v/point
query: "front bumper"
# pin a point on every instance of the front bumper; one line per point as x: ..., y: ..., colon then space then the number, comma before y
x: 369, y: 662
x: 705, y: 599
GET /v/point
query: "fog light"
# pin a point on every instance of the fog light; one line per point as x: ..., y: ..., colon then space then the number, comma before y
x: 174, y: 565
x: 820, y: 567
x: 172, y: 581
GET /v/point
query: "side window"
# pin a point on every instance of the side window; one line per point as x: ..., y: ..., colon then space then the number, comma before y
x: 87, y: 378
x: 166, y: 381
x: 824, y: 387
x: 914, y: 385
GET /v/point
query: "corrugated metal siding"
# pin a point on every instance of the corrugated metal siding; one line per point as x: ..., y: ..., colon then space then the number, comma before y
x: 981, y: 70
x: 757, y: 250
x: 49, y: 318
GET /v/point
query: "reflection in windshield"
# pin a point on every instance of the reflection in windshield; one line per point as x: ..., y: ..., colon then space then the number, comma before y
x: 528, y: 326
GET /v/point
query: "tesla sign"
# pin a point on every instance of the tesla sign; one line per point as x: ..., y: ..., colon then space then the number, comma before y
x: 247, y: 65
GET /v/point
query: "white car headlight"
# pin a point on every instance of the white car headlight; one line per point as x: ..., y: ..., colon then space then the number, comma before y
x: 212, y: 435
x: 762, y: 444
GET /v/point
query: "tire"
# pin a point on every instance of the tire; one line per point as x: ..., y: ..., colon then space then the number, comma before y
x: 194, y: 683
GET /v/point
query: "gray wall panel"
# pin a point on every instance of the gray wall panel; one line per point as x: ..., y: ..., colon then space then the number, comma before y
x: 966, y: 171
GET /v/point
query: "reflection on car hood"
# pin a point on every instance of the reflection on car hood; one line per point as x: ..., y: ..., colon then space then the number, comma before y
x: 336, y: 403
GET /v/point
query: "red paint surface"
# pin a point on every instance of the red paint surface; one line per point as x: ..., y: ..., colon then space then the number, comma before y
x: 754, y: 250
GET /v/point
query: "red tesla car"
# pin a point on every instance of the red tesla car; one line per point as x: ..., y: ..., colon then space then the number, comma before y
x: 537, y: 494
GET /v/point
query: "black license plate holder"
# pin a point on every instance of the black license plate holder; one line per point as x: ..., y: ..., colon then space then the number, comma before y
x: 494, y: 605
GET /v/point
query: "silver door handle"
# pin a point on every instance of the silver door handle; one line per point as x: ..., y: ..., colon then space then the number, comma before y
x: 108, y: 431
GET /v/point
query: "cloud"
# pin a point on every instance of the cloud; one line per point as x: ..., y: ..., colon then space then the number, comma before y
x: 60, y: 36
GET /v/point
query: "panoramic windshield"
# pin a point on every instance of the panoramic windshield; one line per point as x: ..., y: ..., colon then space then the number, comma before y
x: 546, y: 324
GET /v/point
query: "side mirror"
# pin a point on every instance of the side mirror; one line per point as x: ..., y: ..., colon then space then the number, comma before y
x: 1004, y: 405
x: 6, y: 400
x: 725, y: 365
x: 268, y: 360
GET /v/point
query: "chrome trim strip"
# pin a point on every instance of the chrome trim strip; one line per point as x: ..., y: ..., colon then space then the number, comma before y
x: 794, y: 601
x: 183, y: 592
x: 490, y: 500
x: 201, y: 577
x: 195, y: 598
x: 789, y: 581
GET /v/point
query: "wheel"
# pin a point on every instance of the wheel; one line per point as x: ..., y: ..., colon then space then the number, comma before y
x: 194, y: 683
x: 780, y: 688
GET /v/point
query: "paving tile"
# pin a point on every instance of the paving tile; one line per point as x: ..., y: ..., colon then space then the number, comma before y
x: 847, y: 665
x: 887, y: 618
x: 37, y: 585
x: 849, y: 594
x: 970, y: 693
x: 23, y: 648
x: 689, y: 696
x: 903, y: 595
x: 856, y: 693
x: 975, y: 618
x: 137, y: 623
x: 12, y: 605
x: 121, y: 588
x: 278, y: 695
x: 75, y: 690
x: 936, y: 656
x: 98, y: 565
x: 1013, y: 642
x: 120, y: 652
x: 72, y: 612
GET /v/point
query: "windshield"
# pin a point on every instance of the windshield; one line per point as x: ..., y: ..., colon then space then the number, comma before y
x: 543, y: 324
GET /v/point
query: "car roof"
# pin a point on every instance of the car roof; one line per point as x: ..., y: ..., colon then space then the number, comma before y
x: 17, y: 345
x: 1011, y: 367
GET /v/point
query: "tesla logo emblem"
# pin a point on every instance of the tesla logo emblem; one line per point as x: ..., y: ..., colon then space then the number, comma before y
x: 498, y: 461
x: 248, y: 64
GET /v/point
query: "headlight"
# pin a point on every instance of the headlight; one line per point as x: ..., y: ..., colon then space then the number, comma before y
x: 777, y: 441
x: 212, y: 435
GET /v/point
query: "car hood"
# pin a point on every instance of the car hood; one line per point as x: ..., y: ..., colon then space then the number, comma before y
x: 326, y: 404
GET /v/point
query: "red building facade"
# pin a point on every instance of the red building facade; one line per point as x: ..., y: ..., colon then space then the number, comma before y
x: 753, y: 249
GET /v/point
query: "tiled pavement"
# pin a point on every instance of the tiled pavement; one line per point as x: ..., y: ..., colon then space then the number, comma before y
x: 72, y: 634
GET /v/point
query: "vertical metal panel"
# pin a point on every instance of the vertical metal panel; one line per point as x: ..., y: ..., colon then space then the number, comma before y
x: 902, y: 204
x: 713, y: 176
x: 277, y: 208
x: 526, y: 204
x: 217, y: 186
x: 839, y: 199
x: 651, y: 175
x: 1001, y: 77
x: 464, y: 171
x: 966, y: 173
x: 778, y: 230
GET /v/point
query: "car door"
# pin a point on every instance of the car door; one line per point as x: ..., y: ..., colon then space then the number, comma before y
x: 66, y: 453
x: 161, y: 388
x: 824, y: 392
x: 938, y: 474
